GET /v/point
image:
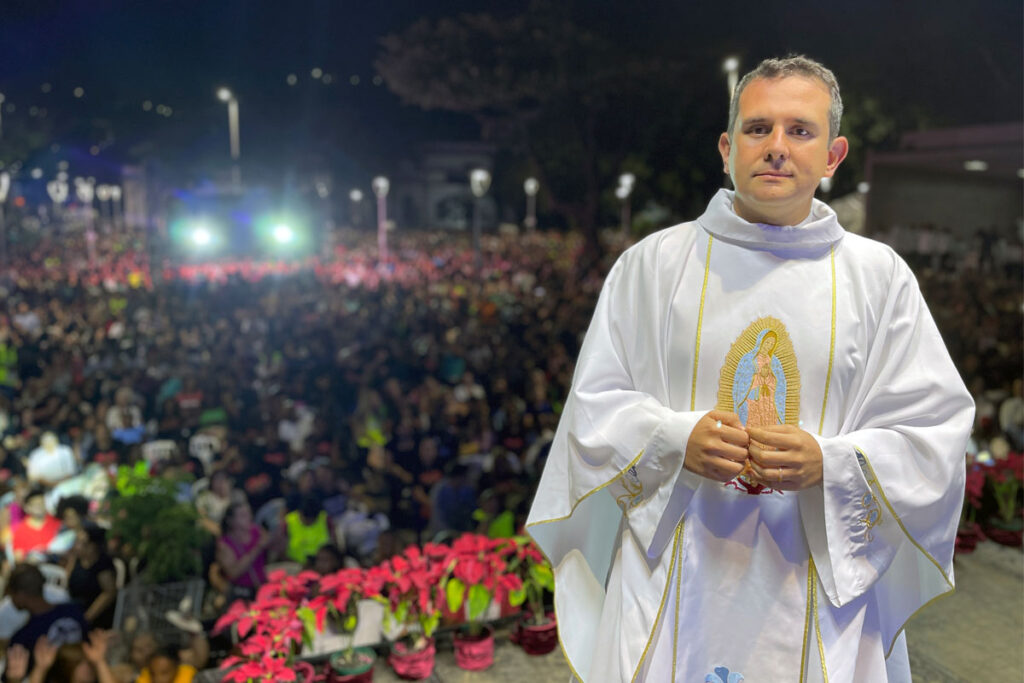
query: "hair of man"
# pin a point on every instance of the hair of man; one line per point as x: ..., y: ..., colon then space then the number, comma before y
x: 793, y: 65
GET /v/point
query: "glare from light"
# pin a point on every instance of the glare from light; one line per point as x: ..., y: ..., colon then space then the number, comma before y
x: 292, y: 79
x: 317, y: 72
x: 622, y: 192
x: 380, y: 186
x: 147, y: 105
x: 1020, y: 173
x: 377, y: 80
x: 224, y: 95
x: 825, y: 184
x: 62, y: 165
x: 627, y: 180
x: 479, y: 181
x: 327, y: 79
x: 531, y: 186
x: 36, y: 173
x: 353, y: 79
x: 975, y: 165
x: 62, y: 176
x: 356, y: 195
x: 78, y: 92
x: 731, y: 64
x: 283, y: 233
x: 863, y: 187
x: 46, y: 87
x: 201, y: 236
x: 94, y: 150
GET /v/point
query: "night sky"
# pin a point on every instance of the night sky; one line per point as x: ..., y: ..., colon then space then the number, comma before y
x: 959, y: 63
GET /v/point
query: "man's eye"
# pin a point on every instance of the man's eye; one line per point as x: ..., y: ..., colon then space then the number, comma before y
x: 757, y: 130
x: 802, y: 132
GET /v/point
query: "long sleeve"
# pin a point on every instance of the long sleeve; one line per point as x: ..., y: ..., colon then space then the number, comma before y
x: 885, y: 516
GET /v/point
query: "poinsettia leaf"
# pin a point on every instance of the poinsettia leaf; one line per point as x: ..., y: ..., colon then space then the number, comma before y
x: 479, y: 598
x: 542, y: 576
x: 517, y: 597
x: 430, y: 623
x: 454, y: 593
x: 402, y: 611
x: 350, y: 623
x: 308, y: 618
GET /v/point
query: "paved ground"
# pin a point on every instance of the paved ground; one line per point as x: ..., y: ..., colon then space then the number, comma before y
x: 975, y: 635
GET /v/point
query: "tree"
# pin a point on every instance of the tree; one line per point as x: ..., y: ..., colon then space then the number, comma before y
x: 560, y: 96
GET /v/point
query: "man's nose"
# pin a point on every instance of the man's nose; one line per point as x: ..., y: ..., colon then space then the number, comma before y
x: 776, y: 146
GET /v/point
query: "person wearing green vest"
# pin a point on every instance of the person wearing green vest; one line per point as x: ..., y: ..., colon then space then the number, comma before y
x: 307, y: 529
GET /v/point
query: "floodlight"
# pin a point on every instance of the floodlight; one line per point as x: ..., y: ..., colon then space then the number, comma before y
x: 283, y: 233
x: 201, y: 236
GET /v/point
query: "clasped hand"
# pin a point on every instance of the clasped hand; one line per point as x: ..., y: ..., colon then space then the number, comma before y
x: 781, y: 457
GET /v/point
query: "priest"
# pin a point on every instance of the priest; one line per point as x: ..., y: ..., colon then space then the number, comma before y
x: 759, y: 469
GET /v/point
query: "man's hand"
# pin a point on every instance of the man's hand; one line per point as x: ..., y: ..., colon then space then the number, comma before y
x: 17, y: 663
x: 784, y: 457
x: 717, y: 447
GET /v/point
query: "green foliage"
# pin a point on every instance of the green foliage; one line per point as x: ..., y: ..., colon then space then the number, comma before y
x: 454, y: 593
x: 154, y: 526
x: 479, y: 598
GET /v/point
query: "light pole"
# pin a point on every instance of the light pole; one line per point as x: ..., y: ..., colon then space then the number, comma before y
x: 622, y: 192
x: 530, y: 187
x: 5, y: 186
x: 225, y: 95
x: 103, y: 194
x: 115, y: 207
x: 479, y: 182
x: 85, y: 191
x: 356, y: 197
x: 380, y: 186
x: 731, y: 66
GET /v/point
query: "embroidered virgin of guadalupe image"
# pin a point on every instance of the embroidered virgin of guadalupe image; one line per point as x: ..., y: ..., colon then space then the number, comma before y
x: 760, y: 382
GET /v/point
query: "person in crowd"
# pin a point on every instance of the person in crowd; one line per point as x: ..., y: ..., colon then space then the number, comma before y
x: 165, y: 666
x: 84, y: 662
x: 307, y: 529
x: 33, y: 535
x: 213, y: 502
x: 242, y: 549
x: 52, y: 462
x: 62, y: 623
x: 92, y: 579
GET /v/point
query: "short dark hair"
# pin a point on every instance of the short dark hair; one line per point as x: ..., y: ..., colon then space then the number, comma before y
x: 793, y: 65
x: 26, y: 579
x: 79, y: 504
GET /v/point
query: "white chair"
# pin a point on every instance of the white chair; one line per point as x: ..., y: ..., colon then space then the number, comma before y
x: 120, y: 572
x: 54, y: 574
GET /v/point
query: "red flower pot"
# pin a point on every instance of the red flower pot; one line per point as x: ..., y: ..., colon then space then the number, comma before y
x: 967, y: 538
x: 304, y: 672
x: 537, y: 640
x: 475, y: 653
x: 1005, y: 533
x: 412, y: 665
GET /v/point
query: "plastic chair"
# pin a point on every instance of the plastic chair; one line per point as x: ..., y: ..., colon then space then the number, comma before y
x: 54, y: 575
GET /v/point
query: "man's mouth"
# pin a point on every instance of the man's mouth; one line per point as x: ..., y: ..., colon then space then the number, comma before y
x: 772, y: 174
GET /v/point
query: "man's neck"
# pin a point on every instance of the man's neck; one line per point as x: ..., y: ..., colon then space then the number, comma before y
x: 782, y: 216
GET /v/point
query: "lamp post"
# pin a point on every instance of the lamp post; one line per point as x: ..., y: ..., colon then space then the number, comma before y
x: 731, y: 66
x: 115, y: 207
x: 85, y: 191
x: 380, y: 186
x: 5, y: 186
x: 530, y: 187
x: 622, y: 192
x: 103, y: 194
x: 356, y: 197
x: 225, y: 95
x: 479, y: 182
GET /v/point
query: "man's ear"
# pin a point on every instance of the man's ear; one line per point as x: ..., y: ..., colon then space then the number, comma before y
x: 837, y: 151
x: 724, y: 147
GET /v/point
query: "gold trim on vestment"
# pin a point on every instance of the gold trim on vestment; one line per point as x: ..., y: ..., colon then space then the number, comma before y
x: 746, y: 344
x: 807, y: 617
x: 587, y: 495
x: 832, y: 342
x: 664, y: 596
x: 700, y: 322
x: 817, y: 625
x: 917, y: 545
x: 675, y: 631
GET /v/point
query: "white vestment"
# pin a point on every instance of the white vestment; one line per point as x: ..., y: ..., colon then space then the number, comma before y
x: 663, y: 574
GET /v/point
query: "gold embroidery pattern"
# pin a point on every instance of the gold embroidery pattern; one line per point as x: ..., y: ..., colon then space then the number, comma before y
x: 871, y: 508
x: 759, y: 352
x: 634, y: 490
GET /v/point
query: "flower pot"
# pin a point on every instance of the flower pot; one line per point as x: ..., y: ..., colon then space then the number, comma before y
x: 967, y: 537
x: 358, y: 671
x: 1006, y: 533
x: 475, y: 653
x: 412, y: 665
x: 304, y: 672
x: 537, y: 640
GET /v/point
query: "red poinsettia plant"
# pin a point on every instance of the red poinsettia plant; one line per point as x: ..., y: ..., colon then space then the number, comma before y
x: 1005, y: 476
x: 477, y: 574
x: 534, y: 571
x: 271, y: 629
x: 408, y: 585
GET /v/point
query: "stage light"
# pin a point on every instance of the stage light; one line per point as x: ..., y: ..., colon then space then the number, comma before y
x: 201, y: 236
x: 283, y: 234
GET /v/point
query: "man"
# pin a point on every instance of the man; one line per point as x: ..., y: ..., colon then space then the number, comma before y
x: 759, y: 469
x: 62, y: 624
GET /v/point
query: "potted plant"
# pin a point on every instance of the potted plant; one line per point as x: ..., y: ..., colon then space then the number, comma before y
x: 272, y: 630
x: 1004, y: 477
x: 339, y: 595
x: 538, y: 631
x: 477, y: 575
x: 408, y: 586
x: 969, y: 532
x: 152, y: 523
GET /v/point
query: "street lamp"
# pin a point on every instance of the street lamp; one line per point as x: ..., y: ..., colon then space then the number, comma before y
x: 622, y: 192
x: 530, y: 187
x: 380, y: 186
x: 85, y: 191
x: 225, y: 95
x: 355, y: 196
x: 5, y: 186
x: 731, y: 66
x: 479, y: 182
x: 115, y: 206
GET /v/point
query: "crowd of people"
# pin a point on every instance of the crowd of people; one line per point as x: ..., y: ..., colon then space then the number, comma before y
x: 326, y: 415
